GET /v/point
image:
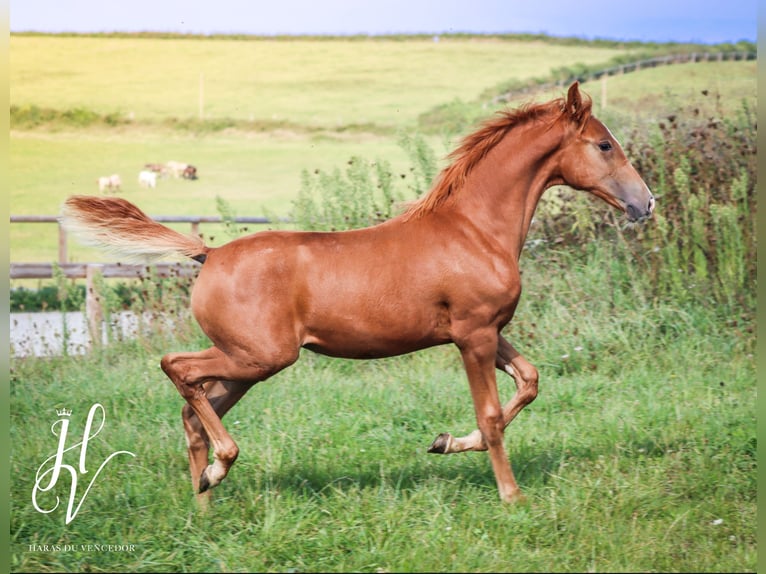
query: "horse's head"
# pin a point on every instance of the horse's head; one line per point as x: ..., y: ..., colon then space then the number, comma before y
x: 593, y: 160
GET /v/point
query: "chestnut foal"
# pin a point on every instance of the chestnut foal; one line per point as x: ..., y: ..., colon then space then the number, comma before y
x: 444, y: 271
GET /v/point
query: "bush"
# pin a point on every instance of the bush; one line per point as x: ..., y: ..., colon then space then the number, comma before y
x: 146, y: 294
x: 31, y: 116
x: 45, y: 298
x: 332, y: 201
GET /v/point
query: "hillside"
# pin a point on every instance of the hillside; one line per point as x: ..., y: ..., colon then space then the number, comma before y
x: 83, y: 107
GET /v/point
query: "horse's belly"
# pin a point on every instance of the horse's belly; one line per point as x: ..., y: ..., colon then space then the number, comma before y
x: 348, y: 348
x: 375, y: 336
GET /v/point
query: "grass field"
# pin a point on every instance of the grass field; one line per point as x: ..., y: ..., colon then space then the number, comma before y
x: 639, y: 454
x: 313, y: 83
x: 259, y: 170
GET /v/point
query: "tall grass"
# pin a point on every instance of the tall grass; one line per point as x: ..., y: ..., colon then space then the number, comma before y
x: 367, y: 193
x: 330, y: 201
x: 705, y: 172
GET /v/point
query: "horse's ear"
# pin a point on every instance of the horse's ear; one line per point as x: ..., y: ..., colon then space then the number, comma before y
x: 578, y: 109
x: 574, y: 99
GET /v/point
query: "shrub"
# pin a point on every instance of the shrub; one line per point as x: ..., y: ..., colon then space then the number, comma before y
x: 362, y: 196
x: 703, y: 171
x: 699, y: 247
x: 31, y: 116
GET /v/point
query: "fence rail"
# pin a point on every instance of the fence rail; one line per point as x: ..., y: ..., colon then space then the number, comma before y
x: 627, y: 68
x: 107, y: 270
x: 90, y: 271
x: 193, y: 220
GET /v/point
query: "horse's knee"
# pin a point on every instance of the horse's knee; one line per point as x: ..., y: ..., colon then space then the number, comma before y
x: 168, y: 366
x: 530, y: 376
x: 228, y: 454
x: 526, y: 376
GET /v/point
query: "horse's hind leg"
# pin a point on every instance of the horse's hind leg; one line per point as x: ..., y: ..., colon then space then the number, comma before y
x: 524, y: 374
x: 222, y: 396
x: 190, y: 371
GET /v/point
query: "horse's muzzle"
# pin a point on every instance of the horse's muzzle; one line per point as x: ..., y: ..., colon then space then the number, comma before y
x: 640, y: 214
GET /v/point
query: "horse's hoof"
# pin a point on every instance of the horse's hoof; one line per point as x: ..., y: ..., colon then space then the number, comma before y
x: 441, y: 444
x: 204, y: 483
x: 517, y: 499
x: 203, y: 501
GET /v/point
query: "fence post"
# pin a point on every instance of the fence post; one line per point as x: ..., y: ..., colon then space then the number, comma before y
x: 93, y: 308
x: 62, y: 244
x: 201, y: 96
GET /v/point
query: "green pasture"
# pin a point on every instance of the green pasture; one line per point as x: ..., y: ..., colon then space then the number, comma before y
x: 329, y: 83
x: 256, y: 175
x: 639, y: 454
x: 652, y: 93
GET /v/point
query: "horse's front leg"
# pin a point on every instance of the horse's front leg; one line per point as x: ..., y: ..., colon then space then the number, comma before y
x: 508, y: 360
x: 478, y: 352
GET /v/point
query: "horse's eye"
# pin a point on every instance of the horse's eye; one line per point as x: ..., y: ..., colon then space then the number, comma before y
x: 605, y: 146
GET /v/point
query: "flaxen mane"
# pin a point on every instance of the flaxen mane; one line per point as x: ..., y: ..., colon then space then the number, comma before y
x: 477, y: 145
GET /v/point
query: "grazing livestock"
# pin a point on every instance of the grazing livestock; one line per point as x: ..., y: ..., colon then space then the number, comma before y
x: 445, y: 271
x: 109, y: 183
x: 176, y: 168
x: 103, y: 183
x: 147, y: 179
x: 190, y: 172
x: 157, y: 168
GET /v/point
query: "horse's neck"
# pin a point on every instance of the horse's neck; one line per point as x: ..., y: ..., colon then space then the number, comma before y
x: 502, y: 192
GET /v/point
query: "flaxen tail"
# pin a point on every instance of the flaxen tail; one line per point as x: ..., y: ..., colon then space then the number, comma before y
x: 119, y: 226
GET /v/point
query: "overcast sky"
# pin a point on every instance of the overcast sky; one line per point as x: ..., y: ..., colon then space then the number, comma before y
x: 708, y: 21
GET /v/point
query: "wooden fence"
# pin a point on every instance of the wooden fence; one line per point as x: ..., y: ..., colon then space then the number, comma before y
x: 627, y: 68
x: 90, y: 271
x: 194, y: 220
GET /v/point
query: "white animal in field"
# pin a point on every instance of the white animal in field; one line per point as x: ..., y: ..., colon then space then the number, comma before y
x: 147, y: 179
x: 109, y: 183
x: 176, y: 168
